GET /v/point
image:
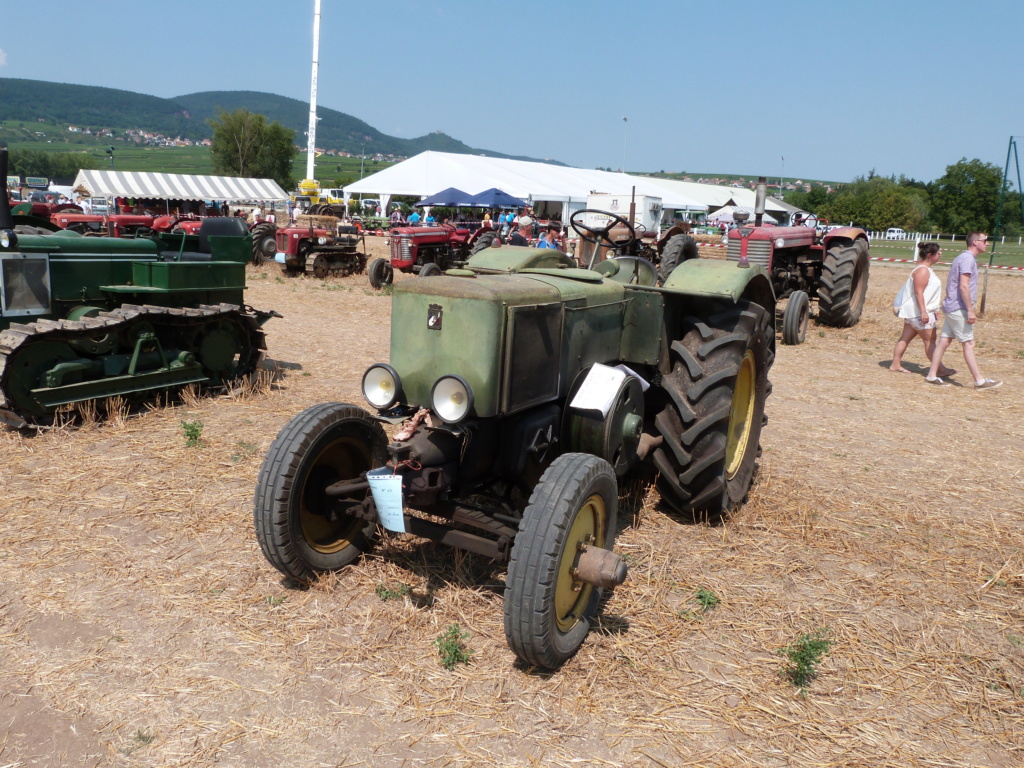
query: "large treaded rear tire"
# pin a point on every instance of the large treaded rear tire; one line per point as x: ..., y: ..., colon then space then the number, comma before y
x: 298, y: 529
x: 678, y: 249
x: 264, y: 245
x: 483, y: 242
x: 844, y: 285
x: 712, y: 421
x: 546, y: 619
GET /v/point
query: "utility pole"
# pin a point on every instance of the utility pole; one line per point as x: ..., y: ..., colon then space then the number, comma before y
x: 311, y: 132
x: 625, y: 124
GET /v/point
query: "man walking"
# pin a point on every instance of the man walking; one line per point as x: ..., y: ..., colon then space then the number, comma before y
x: 958, y: 307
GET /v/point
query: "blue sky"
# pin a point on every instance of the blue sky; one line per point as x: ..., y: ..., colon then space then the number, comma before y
x: 836, y: 88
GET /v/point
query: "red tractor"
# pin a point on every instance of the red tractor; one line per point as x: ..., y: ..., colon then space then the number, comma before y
x: 806, y: 262
x: 428, y: 251
x: 317, y: 248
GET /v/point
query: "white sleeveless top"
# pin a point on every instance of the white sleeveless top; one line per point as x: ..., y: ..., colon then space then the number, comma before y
x: 932, y: 295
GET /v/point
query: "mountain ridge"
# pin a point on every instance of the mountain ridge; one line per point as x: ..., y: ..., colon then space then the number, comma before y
x: 187, y: 115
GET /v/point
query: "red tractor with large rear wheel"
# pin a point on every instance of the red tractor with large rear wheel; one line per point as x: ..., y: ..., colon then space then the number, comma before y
x: 806, y: 262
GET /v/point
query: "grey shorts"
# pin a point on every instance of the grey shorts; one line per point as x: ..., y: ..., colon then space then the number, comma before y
x: 957, y: 327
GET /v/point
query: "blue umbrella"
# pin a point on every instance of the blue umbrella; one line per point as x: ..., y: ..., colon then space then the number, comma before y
x: 448, y: 198
x: 495, y: 198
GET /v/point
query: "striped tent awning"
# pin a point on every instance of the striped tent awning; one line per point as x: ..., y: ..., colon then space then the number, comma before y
x: 174, y: 186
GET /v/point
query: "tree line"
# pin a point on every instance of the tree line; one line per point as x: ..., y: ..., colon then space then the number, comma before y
x: 964, y: 199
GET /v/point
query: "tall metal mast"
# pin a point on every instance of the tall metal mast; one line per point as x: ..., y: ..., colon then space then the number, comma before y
x: 311, y: 132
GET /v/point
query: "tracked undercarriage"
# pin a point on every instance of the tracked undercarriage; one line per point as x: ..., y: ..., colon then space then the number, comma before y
x: 132, y: 352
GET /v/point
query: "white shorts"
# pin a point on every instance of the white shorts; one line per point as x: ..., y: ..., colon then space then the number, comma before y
x: 915, y: 322
x: 957, y: 327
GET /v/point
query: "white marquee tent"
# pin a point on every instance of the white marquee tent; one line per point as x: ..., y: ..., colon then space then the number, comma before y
x: 173, y: 186
x: 430, y: 172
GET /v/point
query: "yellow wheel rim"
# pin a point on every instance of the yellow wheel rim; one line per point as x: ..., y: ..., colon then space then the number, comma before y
x: 741, y: 415
x: 590, y: 526
x: 342, y: 459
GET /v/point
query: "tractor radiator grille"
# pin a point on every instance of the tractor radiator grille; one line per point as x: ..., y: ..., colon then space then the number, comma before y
x: 401, y: 248
x: 758, y: 251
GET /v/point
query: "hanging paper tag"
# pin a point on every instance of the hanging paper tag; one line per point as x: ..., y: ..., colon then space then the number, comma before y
x: 598, y: 390
x: 386, y: 488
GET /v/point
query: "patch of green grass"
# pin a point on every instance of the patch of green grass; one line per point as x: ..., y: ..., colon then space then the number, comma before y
x: 386, y: 593
x: 451, y: 647
x: 1015, y: 640
x: 193, y: 433
x: 805, y: 654
x: 273, y: 601
x: 708, y: 600
x: 245, y: 450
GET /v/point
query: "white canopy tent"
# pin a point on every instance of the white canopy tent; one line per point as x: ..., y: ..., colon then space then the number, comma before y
x: 173, y: 186
x: 725, y: 213
x: 430, y: 172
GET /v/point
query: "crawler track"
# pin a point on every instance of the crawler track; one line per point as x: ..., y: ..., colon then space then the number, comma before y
x: 132, y: 351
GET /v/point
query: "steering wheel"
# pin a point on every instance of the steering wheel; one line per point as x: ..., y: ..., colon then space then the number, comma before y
x: 600, y: 235
x: 810, y: 221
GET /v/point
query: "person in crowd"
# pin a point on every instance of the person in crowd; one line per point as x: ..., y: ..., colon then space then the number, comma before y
x: 414, y: 219
x: 958, y: 307
x: 429, y: 221
x: 920, y: 310
x: 523, y: 230
x: 271, y: 216
x: 486, y: 223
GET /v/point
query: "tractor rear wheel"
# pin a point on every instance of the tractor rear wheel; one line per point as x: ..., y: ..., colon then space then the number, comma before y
x: 483, y: 242
x: 547, y: 610
x: 712, y: 421
x: 380, y: 273
x: 678, y: 249
x: 844, y: 284
x: 795, y: 318
x: 264, y: 246
x: 300, y: 529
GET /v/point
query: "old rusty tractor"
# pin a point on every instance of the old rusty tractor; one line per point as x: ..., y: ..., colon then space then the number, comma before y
x: 618, y: 237
x: 806, y: 263
x: 320, y: 247
x: 428, y: 251
x: 522, y: 388
x: 90, y: 318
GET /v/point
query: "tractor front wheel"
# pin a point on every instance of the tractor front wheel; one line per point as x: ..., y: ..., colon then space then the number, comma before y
x: 844, y: 284
x: 301, y: 530
x: 430, y: 269
x: 795, y: 318
x: 547, y: 609
x: 712, y: 421
x: 380, y: 273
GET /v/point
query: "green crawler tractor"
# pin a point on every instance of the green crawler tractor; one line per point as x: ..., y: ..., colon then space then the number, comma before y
x: 89, y: 318
x: 523, y: 388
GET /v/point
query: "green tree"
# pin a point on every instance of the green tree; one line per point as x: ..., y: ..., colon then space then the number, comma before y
x: 244, y: 144
x: 965, y: 199
x: 53, y: 165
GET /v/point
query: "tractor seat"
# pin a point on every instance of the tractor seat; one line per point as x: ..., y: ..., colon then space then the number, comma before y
x: 220, y: 226
x: 629, y: 270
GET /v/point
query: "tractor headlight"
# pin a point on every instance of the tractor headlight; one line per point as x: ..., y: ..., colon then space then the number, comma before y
x: 7, y: 238
x: 381, y: 386
x: 451, y: 399
x: 321, y: 241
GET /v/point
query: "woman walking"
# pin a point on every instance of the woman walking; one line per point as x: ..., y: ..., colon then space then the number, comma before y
x: 923, y: 297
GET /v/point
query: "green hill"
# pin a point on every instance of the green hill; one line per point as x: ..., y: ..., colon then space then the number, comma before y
x: 186, y: 116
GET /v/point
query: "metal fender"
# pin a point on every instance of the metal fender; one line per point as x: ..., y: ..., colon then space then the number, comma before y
x: 717, y: 279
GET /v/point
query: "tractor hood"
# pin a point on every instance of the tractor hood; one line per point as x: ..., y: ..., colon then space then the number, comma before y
x: 508, y: 335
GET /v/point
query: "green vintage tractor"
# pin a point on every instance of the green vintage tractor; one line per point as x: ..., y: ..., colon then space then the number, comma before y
x: 523, y: 388
x: 89, y: 318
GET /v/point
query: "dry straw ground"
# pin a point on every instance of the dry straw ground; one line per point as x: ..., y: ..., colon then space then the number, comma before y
x: 141, y: 626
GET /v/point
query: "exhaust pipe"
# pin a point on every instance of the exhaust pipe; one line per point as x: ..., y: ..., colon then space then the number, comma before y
x: 759, y: 200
